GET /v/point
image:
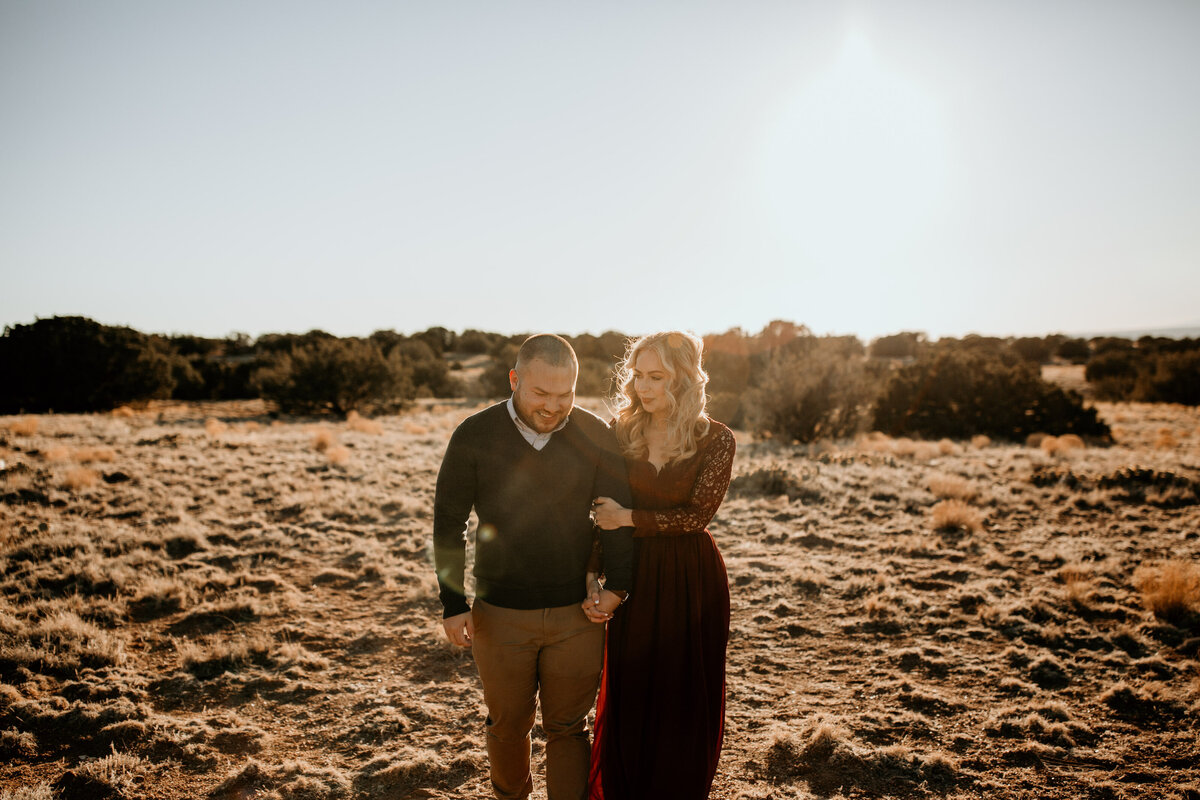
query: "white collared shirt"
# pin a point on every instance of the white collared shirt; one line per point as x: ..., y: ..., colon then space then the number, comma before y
x: 538, y: 440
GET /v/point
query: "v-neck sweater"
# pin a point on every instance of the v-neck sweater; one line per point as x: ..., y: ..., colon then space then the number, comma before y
x: 535, y: 534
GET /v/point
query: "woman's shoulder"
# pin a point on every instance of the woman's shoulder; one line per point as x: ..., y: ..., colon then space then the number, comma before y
x: 718, y: 434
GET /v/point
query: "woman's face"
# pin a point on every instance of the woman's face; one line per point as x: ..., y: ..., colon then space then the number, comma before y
x: 650, y: 382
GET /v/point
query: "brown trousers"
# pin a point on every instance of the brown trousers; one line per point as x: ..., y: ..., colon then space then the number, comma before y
x: 549, y: 654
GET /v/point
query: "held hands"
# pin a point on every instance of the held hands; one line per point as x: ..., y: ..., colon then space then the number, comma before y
x: 460, y: 629
x: 610, y: 515
x: 599, y: 607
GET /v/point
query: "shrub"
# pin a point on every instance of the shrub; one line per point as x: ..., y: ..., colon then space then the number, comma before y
x: 1032, y: 349
x: 1076, y: 351
x: 76, y: 364
x: 1171, y: 591
x: 814, y: 389
x: 1113, y: 374
x: 336, y: 375
x: 1170, y: 378
x: 908, y: 344
x: 962, y: 394
x: 951, y: 515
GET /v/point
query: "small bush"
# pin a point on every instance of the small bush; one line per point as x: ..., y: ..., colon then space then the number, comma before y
x: 361, y: 424
x: 336, y: 375
x: 1171, y: 591
x: 814, y: 389
x: 955, y: 515
x: 80, y: 478
x: 959, y: 394
x: 77, y: 364
x: 949, y: 487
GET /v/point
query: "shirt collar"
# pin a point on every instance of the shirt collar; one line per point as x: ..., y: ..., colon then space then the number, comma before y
x: 531, y: 435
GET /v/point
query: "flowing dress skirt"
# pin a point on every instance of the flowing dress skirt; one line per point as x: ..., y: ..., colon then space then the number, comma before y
x: 661, y: 710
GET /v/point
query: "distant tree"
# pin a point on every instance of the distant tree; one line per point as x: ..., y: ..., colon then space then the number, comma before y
x: 1032, y: 349
x: 77, y: 364
x: 907, y: 344
x: 959, y: 394
x: 338, y: 375
x: 1077, y: 351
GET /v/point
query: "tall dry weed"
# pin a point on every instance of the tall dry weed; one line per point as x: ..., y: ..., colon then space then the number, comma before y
x: 338, y: 454
x: 27, y: 426
x: 948, y: 487
x: 86, y: 455
x: 1171, y: 590
x: 949, y: 515
x: 214, y: 426
x: 323, y: 438
x: 359, y: 423
x: 80, y: 478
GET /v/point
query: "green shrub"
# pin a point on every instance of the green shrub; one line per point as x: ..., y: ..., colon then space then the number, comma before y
x: 1113, y: 374
x: 815, y: 388
x: 1076, y: 351
x: 1170, y: 378
x: 908, y: 344
x: 71, y: 364
x: 336, y: 375
x: 961, y: 394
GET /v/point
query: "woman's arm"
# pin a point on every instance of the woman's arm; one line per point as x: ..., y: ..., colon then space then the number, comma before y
x: 712, y: 481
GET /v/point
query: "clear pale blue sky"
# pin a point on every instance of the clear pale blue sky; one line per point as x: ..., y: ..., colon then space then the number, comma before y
x: 1015, y: 167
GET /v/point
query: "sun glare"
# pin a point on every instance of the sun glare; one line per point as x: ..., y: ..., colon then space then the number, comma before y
x: 854, y: 164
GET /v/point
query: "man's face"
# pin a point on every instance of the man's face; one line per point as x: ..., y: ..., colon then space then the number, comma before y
x: 543, y: 395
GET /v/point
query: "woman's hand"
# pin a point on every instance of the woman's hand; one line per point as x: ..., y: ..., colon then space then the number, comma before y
x: 610, y: 515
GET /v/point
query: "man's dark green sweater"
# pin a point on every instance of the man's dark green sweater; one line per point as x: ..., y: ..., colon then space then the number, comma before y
x: 535, y: 534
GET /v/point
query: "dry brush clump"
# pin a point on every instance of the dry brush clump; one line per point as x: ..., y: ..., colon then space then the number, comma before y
x: 953, y: 487
x: 1171, y: 591
x: 824, y: 755
x: 955, y: 516
x: 360, y: 424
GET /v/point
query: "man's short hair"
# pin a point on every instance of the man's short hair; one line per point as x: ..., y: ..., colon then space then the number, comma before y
x: 554, y: 350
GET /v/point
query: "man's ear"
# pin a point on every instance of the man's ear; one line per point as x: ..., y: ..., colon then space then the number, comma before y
x: 512, y: 379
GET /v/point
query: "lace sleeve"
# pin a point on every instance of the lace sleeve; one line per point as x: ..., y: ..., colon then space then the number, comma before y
x: 712, y: 480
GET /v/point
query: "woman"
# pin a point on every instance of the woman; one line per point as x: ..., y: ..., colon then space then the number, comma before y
x: 661, y: 709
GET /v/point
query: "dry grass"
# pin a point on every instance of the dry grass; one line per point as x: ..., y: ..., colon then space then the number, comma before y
x: 24, y: 427
x: 1061, y: 445
x: 323, y: 438
x: 79, y: 478
x: 86, y: 455
x: 956, y: 515
x: 338, y: 454
x: 1171, y: 591
x: 57, y: 453
x: 215, y: 427
x: 1165, y: 439
x: 948, y: 487
x: 124, y: 412
x: 356, y: 422
x: 980, y: 441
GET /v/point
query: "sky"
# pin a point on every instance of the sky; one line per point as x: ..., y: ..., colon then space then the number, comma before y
x: 1004, y: 168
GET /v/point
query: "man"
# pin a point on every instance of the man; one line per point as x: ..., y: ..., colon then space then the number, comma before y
x: 530, y: 467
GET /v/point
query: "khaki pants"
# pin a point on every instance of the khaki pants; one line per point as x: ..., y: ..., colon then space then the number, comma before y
x: 551, y: 654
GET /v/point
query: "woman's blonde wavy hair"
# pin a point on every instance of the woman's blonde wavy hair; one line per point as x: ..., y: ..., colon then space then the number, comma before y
x: 687, y: 421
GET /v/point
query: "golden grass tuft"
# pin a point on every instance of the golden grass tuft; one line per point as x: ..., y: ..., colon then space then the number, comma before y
x: 948, y: 487
x: 323, y: 439
x: 1165, y: 440
x: 875, y: 442
x: 356, y: 422
x: 956, y: 515
x: 57, y: 453
x: 80, y: 478
x: 24, y: 427
x: 980, y: 441
x: 1034, y: 440
x: 948, y: 448
x: 1077, y: 583
x: 85, y: 455
x: 123, y: 412
x: 250, y: 427
x: 214, y: 426
x: 414, y: 429
x: 338, y: 454
x: 1171, y: 590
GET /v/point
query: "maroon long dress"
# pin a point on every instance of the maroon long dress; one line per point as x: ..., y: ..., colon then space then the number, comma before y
x: 660, y: 714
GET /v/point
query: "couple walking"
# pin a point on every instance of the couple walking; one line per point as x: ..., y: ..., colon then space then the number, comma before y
x: 558, y: 494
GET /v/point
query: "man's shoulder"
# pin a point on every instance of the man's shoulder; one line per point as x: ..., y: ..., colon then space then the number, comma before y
x: 592, y: 427
x: 483, y: 420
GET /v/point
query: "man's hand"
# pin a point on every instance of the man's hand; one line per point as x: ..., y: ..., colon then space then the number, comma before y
x: 599, y: 608
x: 460, y: 629
x: 610, y: 515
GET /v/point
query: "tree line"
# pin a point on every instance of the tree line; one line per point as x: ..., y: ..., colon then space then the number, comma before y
x: 782, y: 379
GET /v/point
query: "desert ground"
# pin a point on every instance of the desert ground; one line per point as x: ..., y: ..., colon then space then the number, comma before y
x: 204, y: 601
